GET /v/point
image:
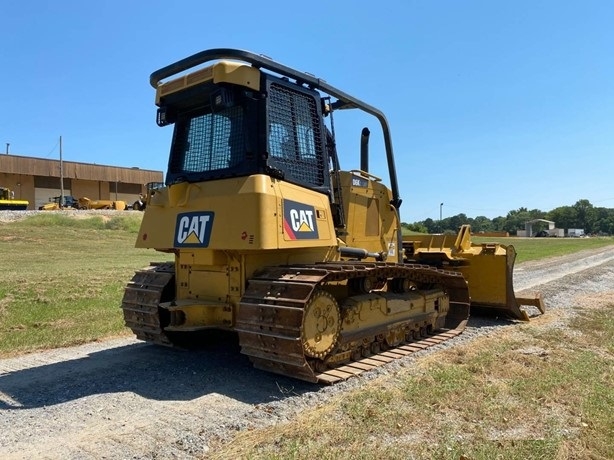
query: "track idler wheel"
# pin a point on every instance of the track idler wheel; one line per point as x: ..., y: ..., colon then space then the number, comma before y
x: 321, y: 324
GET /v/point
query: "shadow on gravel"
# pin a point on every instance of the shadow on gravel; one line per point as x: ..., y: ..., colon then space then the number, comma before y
x: 153, y: 372
x: 163, y: 374
x: 480, y: 321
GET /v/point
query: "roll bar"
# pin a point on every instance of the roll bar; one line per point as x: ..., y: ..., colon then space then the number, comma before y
x: 260, y: 61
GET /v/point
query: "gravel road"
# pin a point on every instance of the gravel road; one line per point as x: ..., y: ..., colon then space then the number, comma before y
x: 122, y: 398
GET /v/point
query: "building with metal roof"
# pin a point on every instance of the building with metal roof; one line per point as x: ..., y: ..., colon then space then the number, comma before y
x: 38, y: 180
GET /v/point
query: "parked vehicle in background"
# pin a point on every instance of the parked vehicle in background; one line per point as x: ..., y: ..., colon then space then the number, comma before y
x: 575, y: 232
x: 67, y: 202
x: 9, y: 203
x: 86, y: 203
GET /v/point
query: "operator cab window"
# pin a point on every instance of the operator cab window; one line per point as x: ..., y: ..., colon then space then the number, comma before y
x: 294, y: 136
x: 211, y: 140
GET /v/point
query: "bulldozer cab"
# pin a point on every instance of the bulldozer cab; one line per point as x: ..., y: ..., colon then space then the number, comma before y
x: 227, y: 130
x: 236, y: 120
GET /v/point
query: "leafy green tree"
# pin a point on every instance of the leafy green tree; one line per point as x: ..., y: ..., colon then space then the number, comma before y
x: 564, y: 216
x: 416, y: 227
x: 499, y: 223
x: 454, y: 223
x: 581, y: 215
x: 604, y: 221
x: 430, y: 225
x: 481, y: 224
x: 586, y: 215
x: 516, y: 219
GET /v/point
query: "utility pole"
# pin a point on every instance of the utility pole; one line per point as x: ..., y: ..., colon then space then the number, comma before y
x: 440, y: 210
x: 61, y: 203
x: 7, y: 148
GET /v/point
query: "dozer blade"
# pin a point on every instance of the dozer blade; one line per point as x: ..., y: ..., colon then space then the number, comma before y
x: 488, y: 269
x: 489, y: 275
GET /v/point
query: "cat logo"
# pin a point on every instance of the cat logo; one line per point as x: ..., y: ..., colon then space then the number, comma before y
x: 299, y: 221
x: 193, y: 229
x: 359, y: 182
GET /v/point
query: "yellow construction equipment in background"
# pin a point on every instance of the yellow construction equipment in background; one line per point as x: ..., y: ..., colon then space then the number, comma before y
x: 86, y: 203
x: 9, y: 203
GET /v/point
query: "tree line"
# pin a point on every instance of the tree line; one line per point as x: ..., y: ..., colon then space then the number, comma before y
x: 594, y: 220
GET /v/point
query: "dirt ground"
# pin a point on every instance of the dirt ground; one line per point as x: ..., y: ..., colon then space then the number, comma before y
x: 122, y: 398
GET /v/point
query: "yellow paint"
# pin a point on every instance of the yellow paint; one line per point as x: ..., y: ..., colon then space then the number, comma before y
x: 488, y: 268
x: 220, y: 72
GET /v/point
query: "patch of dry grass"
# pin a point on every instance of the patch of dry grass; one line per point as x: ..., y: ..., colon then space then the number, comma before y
x: 540, y: 391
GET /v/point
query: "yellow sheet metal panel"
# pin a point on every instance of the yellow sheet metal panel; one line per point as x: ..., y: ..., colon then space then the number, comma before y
x: 208, y: 283
x: 220, y: 72
x: 193, y: 315
x: 243, y: 214
x: 226, y: 214
x: 371, y: 221
x: 488, y: 269
x: 238, y: 74
x: 487, y: 276
x: 306, y: 219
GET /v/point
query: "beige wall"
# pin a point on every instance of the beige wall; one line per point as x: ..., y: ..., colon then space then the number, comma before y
x: 104, y: 193
x: 86, y: 188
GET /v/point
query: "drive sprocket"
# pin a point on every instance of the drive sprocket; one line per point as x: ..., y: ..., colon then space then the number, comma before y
x: 321, y: 324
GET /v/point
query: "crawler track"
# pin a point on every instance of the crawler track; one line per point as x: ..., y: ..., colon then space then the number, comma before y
x: 271, y: 317
x: 140, y: 303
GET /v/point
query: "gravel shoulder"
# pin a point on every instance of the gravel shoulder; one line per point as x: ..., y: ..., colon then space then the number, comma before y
x: 122, y: 398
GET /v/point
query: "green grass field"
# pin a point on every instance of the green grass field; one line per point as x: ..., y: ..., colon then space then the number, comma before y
x: 63, y: 278
x: 539, y: 248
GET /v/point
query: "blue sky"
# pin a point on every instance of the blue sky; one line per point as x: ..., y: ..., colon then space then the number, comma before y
x: 492, y: 105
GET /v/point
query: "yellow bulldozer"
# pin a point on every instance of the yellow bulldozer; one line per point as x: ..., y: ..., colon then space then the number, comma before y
x: 270, y: 238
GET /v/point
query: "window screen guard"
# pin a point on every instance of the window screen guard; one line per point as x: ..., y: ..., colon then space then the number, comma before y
x: 294, y: 135
x: 209, y: 142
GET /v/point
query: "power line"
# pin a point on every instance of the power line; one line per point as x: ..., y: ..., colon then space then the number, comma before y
x: 53, y: 149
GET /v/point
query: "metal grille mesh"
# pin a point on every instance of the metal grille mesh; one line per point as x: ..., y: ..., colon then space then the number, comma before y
x: 294, y: 135
x: 213, y: 141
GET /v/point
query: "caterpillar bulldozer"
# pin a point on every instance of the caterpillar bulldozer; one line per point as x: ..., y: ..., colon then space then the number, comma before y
x: 270, y: 238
